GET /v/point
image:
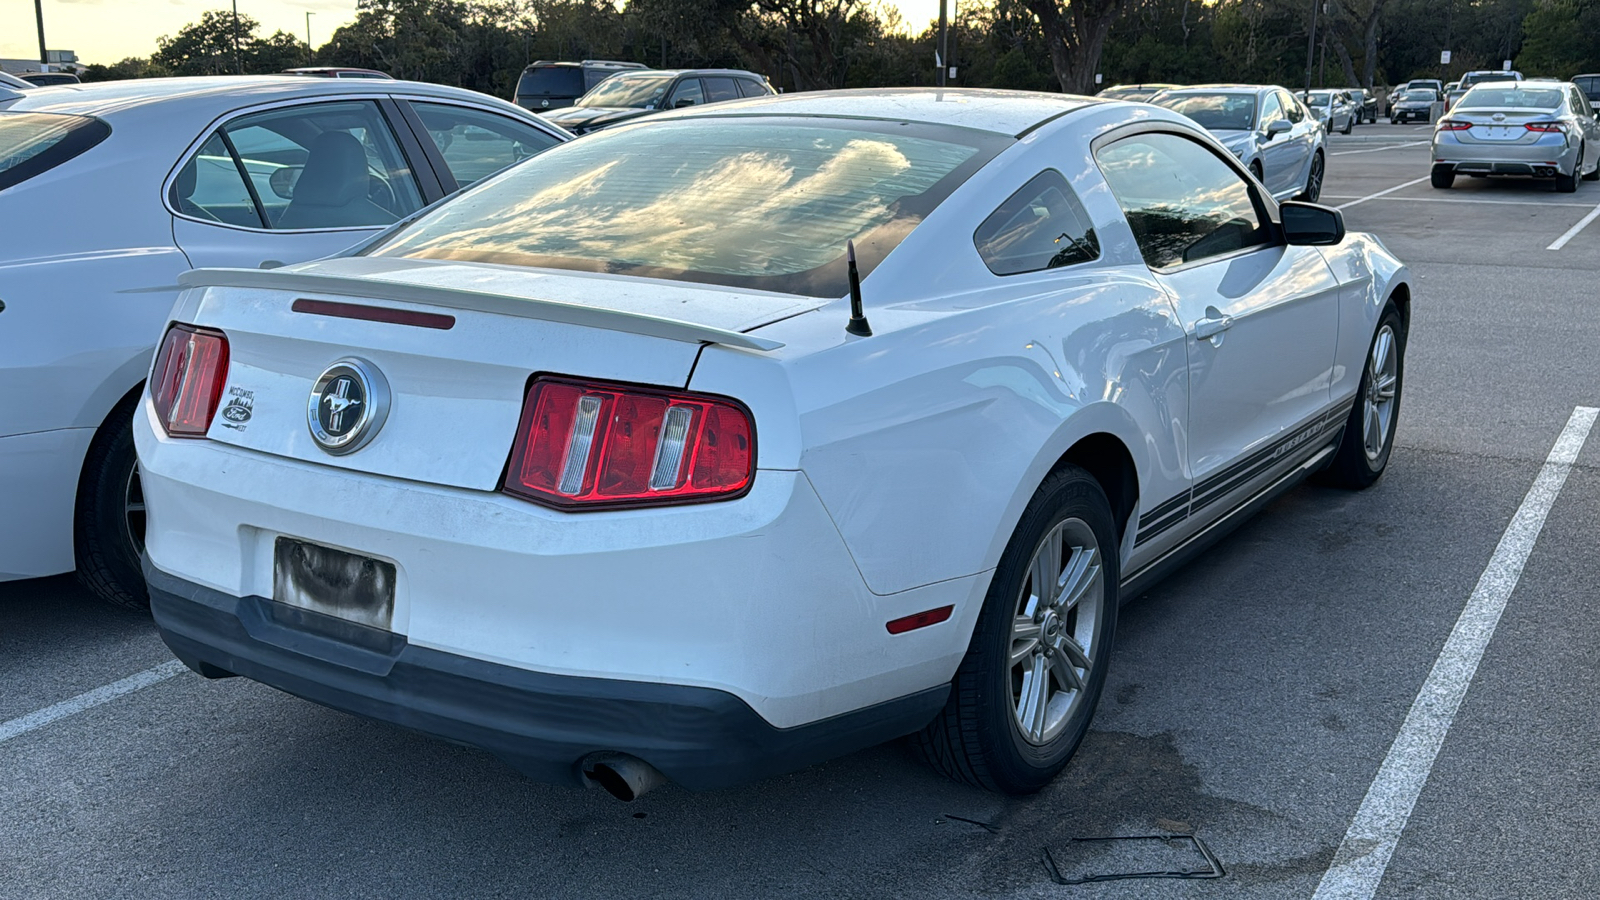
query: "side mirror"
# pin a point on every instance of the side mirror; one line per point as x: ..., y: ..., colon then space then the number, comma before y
x: 1310, y: 224
x: 1277, y: 127
x: 682, y: 103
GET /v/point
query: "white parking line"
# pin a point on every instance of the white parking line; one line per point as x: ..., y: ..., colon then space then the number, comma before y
x: 1380, y: 149
x: 88, y: 700
x: 1363, y: 855
x: 1382, y: 193
x: 1573, y: 231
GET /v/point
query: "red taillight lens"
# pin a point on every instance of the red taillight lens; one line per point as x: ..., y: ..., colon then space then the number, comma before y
x: 186, y: 383
x: 594, y: 445
x: 1452, y: 125
x: 1547, y: 127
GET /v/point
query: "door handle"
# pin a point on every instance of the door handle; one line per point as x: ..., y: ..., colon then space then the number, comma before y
x: 1212, y: 325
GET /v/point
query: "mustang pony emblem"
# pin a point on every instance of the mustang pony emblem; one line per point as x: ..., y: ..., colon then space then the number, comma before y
x: 347, y: 406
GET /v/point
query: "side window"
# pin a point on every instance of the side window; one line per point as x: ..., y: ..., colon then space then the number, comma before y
x: 476, y: 144
x: 687, y: 93
x: 719, y: 89
x: 1041, y: 226
x: 752, y: 88
x: 1291, y: 107
x: 321, y: 165
x: 209, y: 187
x: 1183, y: 203
x: 1271, y: 110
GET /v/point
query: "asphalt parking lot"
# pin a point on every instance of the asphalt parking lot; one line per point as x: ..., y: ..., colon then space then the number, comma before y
x: 1253, y: 699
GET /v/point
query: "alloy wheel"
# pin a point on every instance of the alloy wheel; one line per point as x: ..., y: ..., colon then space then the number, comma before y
x: 1383, y: 380
x: 1314, y: 180
x: 1056, y: 631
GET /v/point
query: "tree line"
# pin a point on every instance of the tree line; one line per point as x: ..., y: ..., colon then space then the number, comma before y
x: 1071, y: 45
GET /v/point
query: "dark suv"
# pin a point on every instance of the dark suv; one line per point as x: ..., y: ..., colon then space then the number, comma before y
x: 549, y: 85
x: 628, y: 96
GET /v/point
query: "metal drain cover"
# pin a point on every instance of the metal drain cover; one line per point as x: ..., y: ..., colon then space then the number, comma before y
x: 1139, y: 856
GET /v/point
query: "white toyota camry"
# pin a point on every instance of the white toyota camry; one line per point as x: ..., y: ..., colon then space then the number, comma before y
x: 708, y: 448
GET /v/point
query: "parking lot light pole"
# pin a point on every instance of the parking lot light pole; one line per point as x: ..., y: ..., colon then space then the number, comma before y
x: 38, y: 12
x: 944, y: 43
x: 1311, y: 42
x: 309, y: 60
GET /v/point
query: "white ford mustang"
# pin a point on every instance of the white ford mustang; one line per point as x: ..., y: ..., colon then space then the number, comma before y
x: 623, y: 466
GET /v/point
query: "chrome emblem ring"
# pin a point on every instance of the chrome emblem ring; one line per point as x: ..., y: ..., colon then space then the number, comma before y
x: 348, y: 405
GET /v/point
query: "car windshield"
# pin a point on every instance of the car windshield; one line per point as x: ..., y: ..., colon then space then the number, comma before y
x: 629, y: 91
x: 1318, y: 98
x: 1494, y: 97
x: 1214, y: 111
x: 764, y: 203
x: 1420, y: 94
x: 31, y: 143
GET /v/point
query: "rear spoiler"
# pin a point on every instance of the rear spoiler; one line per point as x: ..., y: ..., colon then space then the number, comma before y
x: 457, y: 298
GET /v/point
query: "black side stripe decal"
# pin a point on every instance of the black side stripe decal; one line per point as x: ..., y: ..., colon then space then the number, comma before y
x: 1216, y: 486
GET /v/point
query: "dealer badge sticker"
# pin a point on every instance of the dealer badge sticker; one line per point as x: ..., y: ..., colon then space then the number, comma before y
x: 347, y: 406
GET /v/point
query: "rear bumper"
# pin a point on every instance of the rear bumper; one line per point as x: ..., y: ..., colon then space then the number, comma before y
x: 539, y: 723
x: 1506, y: 159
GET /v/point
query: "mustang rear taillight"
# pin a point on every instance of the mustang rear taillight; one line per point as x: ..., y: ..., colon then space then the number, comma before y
x: 186, y: 383
x: 1547, y: 127
x: 1449, y: 125
x: 591, y: 445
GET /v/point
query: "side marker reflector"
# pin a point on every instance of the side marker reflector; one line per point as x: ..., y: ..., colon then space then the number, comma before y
x: 919, y: 620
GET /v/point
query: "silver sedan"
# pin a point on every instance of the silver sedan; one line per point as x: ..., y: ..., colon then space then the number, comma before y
x: 1273, y: 134
x: 1534, y: 129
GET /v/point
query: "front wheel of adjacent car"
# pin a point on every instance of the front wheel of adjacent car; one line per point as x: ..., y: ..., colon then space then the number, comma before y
x: 1368, y: 439
x: 1023, y: 696
x: 1442, y: 177
x: 1313, y: 190
x: 108, y: 528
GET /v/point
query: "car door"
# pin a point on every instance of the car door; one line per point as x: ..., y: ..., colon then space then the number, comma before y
x: 1277, y: 151
x: 719, y: 88
x: 1303, y: 138
x: 1262, y: 317
x: 293, y: 183
x: 466, y: 145
x: 687, y: 92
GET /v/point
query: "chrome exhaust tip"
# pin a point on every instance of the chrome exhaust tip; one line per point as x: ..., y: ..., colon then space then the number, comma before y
x: 624, y: 777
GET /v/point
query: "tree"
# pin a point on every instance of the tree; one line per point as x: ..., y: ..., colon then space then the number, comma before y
x: 1076, y: 31
x: 207, y: 47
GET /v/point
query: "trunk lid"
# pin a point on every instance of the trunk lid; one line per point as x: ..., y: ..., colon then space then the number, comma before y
x: 1501, y: 126
x: 455, y: 391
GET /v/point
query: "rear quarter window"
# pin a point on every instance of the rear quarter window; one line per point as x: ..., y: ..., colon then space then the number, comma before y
x: 34, y: 143
x: 1041, y: 226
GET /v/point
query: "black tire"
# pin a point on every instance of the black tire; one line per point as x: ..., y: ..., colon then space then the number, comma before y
x: 1443, y: 177
x: 106, y: 538
x: 1352, y: 466
x: 1255, y: 169
x: 977, y: 737
x: 1314, y: 179
x: 1566, y: 184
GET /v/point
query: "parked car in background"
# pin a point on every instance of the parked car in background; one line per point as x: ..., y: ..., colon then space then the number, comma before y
x: 1473, y: 79
x: 592, y: 468
x: 1530, y: 129
x: 547, y: 85
x: 12, y: 82
x: 628, y: 95
x: 1269, y: 131
x: 1590, y: 86
x: 1134, y: 91
x: 49, y: 79
x: 1365, y: 102
x: 1431, y: 84
x: 1334, y: 109
x: 232, y: 171
x: 1452, y: 95
x: 337, y: 72
x: 1413, y: 105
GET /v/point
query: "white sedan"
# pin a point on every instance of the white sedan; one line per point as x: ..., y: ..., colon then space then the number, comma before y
x: 109, y: 191
x: 608, y: 467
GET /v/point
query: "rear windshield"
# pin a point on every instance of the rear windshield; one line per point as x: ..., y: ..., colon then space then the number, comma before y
x: 1492, y: 97
x: 755, y: 202
x: 629, y: 91
x: 1214, y: 111
x: 31, y: 143
x: 551, y: 81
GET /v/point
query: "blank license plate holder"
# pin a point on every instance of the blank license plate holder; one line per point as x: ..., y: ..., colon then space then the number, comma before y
x: 348, y: 586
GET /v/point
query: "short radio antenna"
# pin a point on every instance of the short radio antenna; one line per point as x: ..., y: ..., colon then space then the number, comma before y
x: 858, y: 321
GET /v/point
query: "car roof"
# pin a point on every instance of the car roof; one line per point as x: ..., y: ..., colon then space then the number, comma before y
x: 1002, y: 112
x: 676, y: 72
x: 1224, y: 88
x: 115, y: 97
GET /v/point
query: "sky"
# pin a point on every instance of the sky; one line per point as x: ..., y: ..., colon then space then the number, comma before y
x: 105, y: 31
